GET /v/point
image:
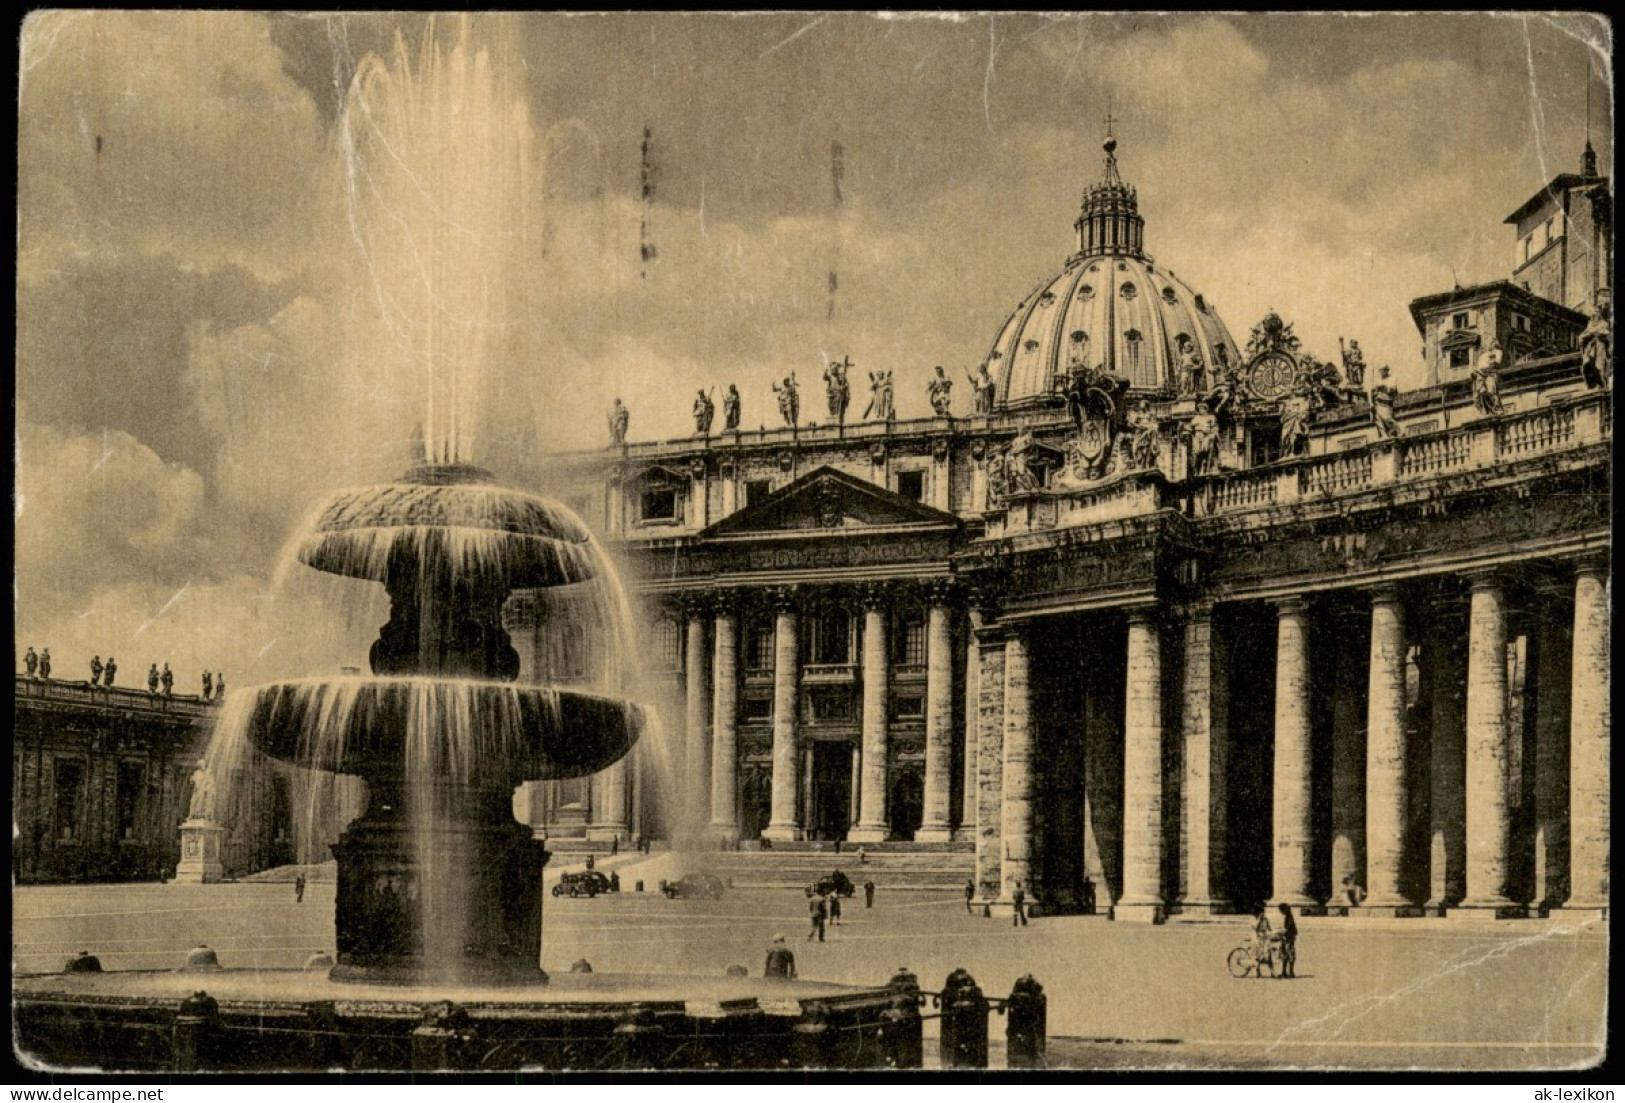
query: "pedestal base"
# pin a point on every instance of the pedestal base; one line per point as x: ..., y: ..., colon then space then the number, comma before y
x: 201, y: 845
x: 868, y: 834
x: 608, y: 832
x: 933, y: 835
x: 1404, y: 910
x: 782, y: 833
x: 1138, y: 913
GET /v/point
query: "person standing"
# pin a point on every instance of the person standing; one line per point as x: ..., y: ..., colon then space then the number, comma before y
x: 817, y: 912
x: 167, y: 680
x: 1262, y: 939
x: 299, y: 888
x: 108, y: 672
x: 30, y: 662
x: 863, y: 856
x: 96, y: 670
x: 1018, y: 918
x: 152, y: 678
x: 208, y: 685
x: 868, y: 894
x: 1289, y: 944
x: 614, y: 881
x: 780, y: 961
x: 45, y: 663
x: 970, y: 894
x: 614, y: 846
x: 835, y: 907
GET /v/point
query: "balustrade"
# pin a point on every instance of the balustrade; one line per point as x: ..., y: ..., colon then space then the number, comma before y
x: 1438, y: 453
x: 1334, y: 474
x: 1538, y: 432
x: 1244, y: 491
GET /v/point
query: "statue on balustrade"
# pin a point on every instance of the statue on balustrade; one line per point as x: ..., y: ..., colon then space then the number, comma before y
x: 1597, y: 344
x: 1324, y: 382
x: 1487, y: 382
x: 1353, y: 364
x: 1018, y: 465
x: 982, y: 388
x: 880, y: 406
x: 1192, y: 375
x: 789, y: 400
x: 619, y: 418
x: 1382, y: 409
x: 1296, y: 409
x: 704, y: 411
x: 1203, y: 432
x: 998, y: 477
x: 730, y: 408
x: 1144, y: 432
x: 837, y: 392
x: 940, y: 389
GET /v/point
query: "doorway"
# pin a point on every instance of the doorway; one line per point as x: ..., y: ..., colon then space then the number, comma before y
x: 907, y: 801
x: 831, y: 811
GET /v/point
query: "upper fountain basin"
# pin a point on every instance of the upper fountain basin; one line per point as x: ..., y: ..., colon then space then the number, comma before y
x: 465, y: 732
x: 525, y: 540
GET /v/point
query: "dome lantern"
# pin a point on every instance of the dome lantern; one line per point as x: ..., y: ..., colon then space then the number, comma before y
x: 1109, y: 222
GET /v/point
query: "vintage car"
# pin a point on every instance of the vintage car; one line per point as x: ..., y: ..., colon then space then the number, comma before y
x: 702, y: 885
x: 588, y: 883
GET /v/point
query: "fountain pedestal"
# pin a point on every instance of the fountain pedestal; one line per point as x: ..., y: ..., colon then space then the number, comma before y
x: 202, y: 842
x: 457, y: 899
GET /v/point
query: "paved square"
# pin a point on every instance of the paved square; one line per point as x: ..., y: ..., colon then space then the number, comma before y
x: 1432, y: 994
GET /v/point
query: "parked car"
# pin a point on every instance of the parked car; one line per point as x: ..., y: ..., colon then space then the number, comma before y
x: 589, y: 883
x: 702, y: 885
x: 836, y: 882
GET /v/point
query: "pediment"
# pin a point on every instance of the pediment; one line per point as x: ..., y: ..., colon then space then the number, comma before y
x: 831, y: 503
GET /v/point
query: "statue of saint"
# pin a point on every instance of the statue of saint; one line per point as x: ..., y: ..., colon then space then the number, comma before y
x: 1353, y: 364
x: 940, y: 388
x: 1597, y: 344
x: 1295, y: 410
x: 704, y: 411
x: 982, y: 387
x: 1203, y: 430
x: 789, y: 401
x: 1143, y: 443
x: 730, y: 408
x: 837, y: 392
x: 202, y: 806
x: 1019, y: 470
x: 1382, y: 410
x: 1487, y: 382
x: 1192, y: 375
x: 880, y: 406
x: 619, y: 418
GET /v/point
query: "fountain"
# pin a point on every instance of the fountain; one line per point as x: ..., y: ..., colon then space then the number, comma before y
x: 438, y: 913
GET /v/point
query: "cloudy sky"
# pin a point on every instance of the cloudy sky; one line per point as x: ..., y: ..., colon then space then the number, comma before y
x: 200, y: 354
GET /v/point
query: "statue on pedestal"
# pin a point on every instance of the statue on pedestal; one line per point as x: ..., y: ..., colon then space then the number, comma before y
x: 1487, y: 381
x: 1597, y: 344
x: 1203, y: 431
x: 619, y: 418
x: 982, y: 388
x: 1353, y: 364
x: 880, y: 406
x: 1382, y: 409
x: 1192, y: 375
x: 704, y: 411
x: 730, y: 408
x: 789, y: 400
x: 1295, y: 410
x: 837, y: 392
x: 940, y: 388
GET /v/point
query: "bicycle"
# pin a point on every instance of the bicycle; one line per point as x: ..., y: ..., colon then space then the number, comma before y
x: 1245, y: 961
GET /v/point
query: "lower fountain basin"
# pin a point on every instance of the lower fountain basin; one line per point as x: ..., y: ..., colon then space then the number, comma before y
x: 244, y: 1020
x: 474, y: 733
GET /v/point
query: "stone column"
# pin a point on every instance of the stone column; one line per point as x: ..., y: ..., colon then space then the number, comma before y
x: 989, y: 781
x: 696, y: 724
x: 973, y: 740
x: 939, y: 719
x: 609, y: 807
x: 1590, y: 717
x: 1142, y: 773
x: 1448, y: 754
x: 1348, y: 760
x: 725, y: 723
x: 1386, y: 809
x: 873, y: 825
x: 1489, y: 759
x: 1016, y: 819
x: 1202, y: 820
x: 1291, y: 813
x: 1554, y: 650
x: 783, y: 826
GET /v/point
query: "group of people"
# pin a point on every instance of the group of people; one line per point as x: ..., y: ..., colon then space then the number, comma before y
x: 837, y: 395
x: 1281, y: 944
x: 104, y: 674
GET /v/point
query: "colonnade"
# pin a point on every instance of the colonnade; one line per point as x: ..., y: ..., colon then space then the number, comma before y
x: 713, y: 679
x: 1470, y: 774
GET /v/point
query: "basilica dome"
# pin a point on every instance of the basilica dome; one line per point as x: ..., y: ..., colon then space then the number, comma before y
x: 1110, y: 308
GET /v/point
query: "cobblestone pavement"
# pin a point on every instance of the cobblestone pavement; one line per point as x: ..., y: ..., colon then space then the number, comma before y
x: 1438, y: 994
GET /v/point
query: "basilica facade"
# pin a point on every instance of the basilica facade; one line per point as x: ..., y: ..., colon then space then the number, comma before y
x: 1166, y: 622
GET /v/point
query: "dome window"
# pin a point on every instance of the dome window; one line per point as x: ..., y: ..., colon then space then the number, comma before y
x: 1086, y: 292
x: 1201, y: 304
x: 997, y: 355
x: 1094, y: 268
x: 1129, y: 292
x: 1132, y: 339
x: 1169, y: 297
x: 1121, y: 267
x: 1079, y: 337
x: 1046, y: 299
x: 1030, y: 345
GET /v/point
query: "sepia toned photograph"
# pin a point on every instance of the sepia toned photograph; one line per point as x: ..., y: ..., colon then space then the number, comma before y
x: 646, y: 543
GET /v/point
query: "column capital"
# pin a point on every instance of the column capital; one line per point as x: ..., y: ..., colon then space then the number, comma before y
x: 1486, y: 578
x: 1592, y: 563
x: 1293, y: 605
x: 876, y: 596
x: 724, y: 603
x: 1143, y: 614
x: 784, y: 599
x: 1386, y: 593
x: 942, y: 591
x: 696, y: 603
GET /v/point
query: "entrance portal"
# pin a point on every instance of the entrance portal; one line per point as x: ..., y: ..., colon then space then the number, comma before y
x: 831, y: 811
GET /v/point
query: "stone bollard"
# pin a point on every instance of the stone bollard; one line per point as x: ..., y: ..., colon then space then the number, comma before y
x: 813, y: 1037
x: 901, y: 1031
x: 444, y: 1039
x: 201, y: 959
x: 963, y: 1044
x: 581, y: 965
x: 196, y: 1021
x: 85, y: 962
x: 321, y: 959
x: 1026, y: 1023
x: 639, y: 1034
